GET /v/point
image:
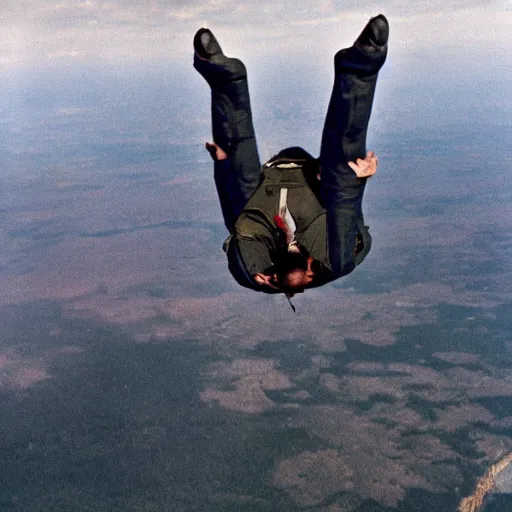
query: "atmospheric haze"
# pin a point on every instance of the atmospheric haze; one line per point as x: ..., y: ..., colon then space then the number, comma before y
x: 136, y: 375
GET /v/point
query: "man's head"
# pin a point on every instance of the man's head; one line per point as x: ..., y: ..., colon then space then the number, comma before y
x: 292, y: 273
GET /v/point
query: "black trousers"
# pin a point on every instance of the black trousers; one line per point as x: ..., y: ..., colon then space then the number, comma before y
x: 237, y: 177
x: 343, y: 138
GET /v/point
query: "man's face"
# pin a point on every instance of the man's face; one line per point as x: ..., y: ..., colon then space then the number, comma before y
x: 295, y: 281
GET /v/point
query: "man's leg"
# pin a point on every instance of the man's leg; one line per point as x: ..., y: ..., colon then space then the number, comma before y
x: 238, y: 175
x: 344, y: 138
x: 346, y: 124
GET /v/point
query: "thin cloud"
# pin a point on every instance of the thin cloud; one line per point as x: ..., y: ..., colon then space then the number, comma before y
x: 45, y: 32
x: 71, y: 111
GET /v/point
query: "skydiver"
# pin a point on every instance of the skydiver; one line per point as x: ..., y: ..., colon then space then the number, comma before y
x: 296, y: 222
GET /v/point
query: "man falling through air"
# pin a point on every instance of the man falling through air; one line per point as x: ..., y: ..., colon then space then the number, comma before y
x: 296, y: 222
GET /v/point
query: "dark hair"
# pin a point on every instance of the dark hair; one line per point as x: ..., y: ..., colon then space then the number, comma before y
x: 288, y: 262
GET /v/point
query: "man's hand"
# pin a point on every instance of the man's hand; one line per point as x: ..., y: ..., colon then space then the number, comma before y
x: 367, y: 167
x: 266, y: 281
x: 216, y: 152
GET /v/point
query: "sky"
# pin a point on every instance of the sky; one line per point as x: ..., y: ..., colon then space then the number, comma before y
x: 126, y: 66
x: 48, y: 33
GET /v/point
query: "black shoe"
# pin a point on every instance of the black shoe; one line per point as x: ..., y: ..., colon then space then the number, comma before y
x: 212, y: 64
x: 374, y: 36
x: 205, y: 44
